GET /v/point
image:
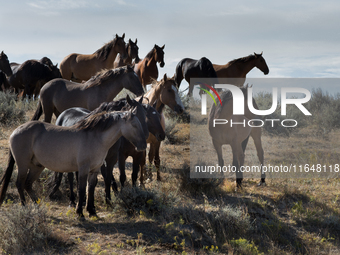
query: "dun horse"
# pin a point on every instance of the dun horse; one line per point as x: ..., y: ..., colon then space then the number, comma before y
x: 162, y: 93
x: 132, y: 51
x: 146, y: 69
x: 58, y: 95
x: 238, y: 68
x: 71, y: 116
x: 80, y: 67
x: 82, y: 147
x: 190, y: 68
x: 236, y: 136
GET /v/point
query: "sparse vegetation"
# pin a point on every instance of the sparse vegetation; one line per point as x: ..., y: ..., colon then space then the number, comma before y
x: 181, y: 215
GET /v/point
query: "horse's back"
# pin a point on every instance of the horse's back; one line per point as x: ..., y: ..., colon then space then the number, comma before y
x: 71, y: 116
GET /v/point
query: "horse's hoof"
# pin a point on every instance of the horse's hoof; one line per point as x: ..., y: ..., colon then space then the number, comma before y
x: 93, y: 216
x: 159, y: 178
x: 81, y: 217
x: 261, y: 183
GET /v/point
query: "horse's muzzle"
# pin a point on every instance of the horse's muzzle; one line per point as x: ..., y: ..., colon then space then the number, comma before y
x: 141, y: 147
x: 162, y: 64
x: 179, y: 109
x: 160, y: 137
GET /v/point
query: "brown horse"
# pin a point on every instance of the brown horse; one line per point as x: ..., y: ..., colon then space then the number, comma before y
x: 146, y: 69
x: 238, y: 68
x: 31, y: 75
x: 59, y: 94
x: 82, y: 147
x: 162, y: 93
x: 4, y: 64
x: 80, y: 67
x: 237, y: 135
x: 132, y: 51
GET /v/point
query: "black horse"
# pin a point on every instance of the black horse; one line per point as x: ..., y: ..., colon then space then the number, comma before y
x: 4, y: 84
x: 31, y: 75
x: 190, y: 68
x: 4, y: 64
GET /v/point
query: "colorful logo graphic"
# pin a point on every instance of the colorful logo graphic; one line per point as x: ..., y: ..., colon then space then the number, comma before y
x: 208, y: 92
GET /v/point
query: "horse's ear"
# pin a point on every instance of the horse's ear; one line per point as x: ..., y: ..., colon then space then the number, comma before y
x: 261, y: 53
x: 123, y: 36
x: 165, y: 78
x: 136, y: 41
x: 2, y: 53
x: 163, y: 47
x: 141, y: 99
x: 130, y: 40
x: 116, y: 36
x: 128, y: 100
x: 56, y: 65
x: 255, y: 55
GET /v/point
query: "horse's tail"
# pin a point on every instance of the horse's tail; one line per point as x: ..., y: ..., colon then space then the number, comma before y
x: 38, y: 112
x: 7, y: 177
x: 179, y: 74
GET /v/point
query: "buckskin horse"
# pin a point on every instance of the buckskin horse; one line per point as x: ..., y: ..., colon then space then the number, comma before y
x: 238, y: 68
x: 82, y: 147
x: 81, y: 67
x: 146, y: 69
x: 59, y: 94
x: 237, y: 135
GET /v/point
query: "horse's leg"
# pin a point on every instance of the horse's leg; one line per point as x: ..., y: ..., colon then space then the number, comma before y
x: 82, y: 182
x: 238, y: 160
x: 33, y: 174
x: 256, y: 135
x: 218, y: 148
x: 48, y: 112
x: 90, y: 199
x: 151, y: 156
x: 157, y: 159
x: 142, y: 169
x: 20, y: 183
x: 121, y: 165
x: 137, y: 161
x: 57, y: 181
x: 72, y: 195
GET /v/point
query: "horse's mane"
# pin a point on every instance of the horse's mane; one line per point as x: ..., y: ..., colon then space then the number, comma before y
x: 104, y: 51
x: 100, y: 121
x: 149, y: 55
x: 105, y: 75
x: 244, y: 59
x: 119, y: 105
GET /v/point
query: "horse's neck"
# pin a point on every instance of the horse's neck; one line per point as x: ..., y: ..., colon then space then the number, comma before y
x: 151, y: 61
x: 107, y: 91
x: 153, y: 95
x: 111, y: 135
x: 128, y: 61
x: 111, y: 58
x: 245, y: 67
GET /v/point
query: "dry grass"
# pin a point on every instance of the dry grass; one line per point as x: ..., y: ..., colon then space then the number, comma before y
x: 288, y: 216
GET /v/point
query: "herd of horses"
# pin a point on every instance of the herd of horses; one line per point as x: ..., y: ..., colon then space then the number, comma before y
x: 93, y: 131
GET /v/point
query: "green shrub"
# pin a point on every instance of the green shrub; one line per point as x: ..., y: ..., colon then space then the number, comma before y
x: 11, y: 111
x: 23, y: 229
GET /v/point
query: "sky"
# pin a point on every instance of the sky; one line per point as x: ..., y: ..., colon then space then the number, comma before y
x: 298, y: 38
